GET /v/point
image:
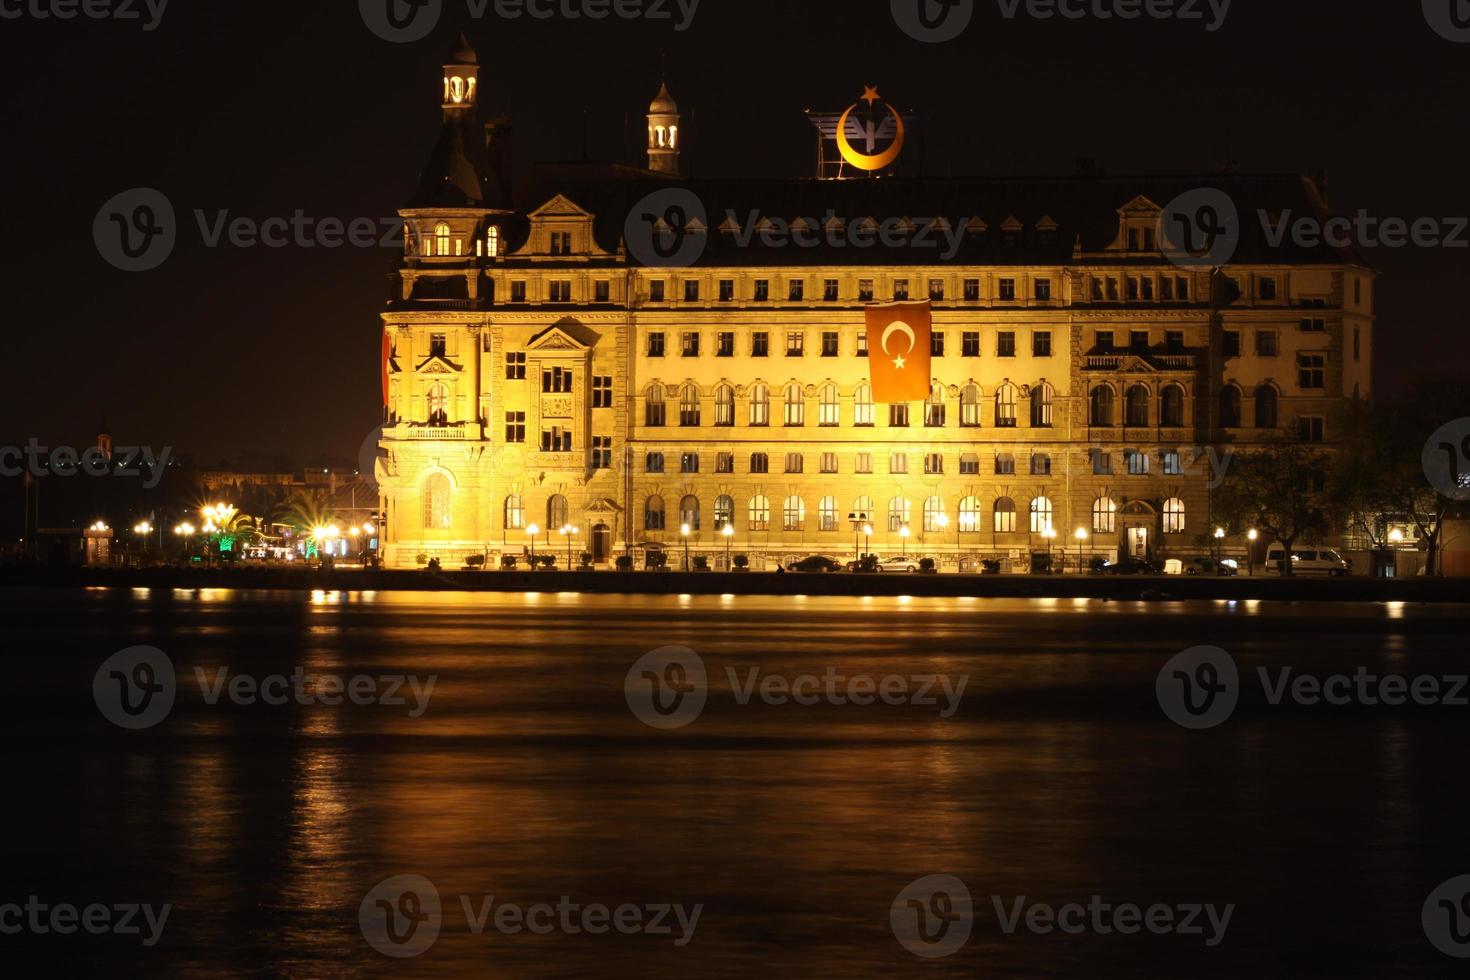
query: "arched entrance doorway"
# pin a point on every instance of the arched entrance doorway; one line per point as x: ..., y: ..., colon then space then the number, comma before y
x: 1138, y: 524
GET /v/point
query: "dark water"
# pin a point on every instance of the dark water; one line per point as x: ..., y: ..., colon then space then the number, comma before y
x: 794, y: 827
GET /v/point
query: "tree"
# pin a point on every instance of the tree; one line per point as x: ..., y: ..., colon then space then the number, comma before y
x: 1281, y: 488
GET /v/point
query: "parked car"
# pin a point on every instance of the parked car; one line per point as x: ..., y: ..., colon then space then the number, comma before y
x: 1129, y: 566
x: 814, y: 563
x: 898, y: 563
x: 1212, y: 567
x: 1307, y: 561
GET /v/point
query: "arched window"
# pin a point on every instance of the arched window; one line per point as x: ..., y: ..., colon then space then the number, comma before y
x: 1005, y: 406
x: 1104, y: 516
x: 795, y: 405
x: 1102, y: 405
x: 970, y: 515
x: 793, y: 514
x: 1266, y: 407
x: 441, y: 239
x: 556, y: 512
x: 831, y: 405
x: 1173, y: 516
x: 760, y: 513
x: 654, y: 413
x: 689, y: 406
x: 760, y: 405
x: 438, y: 404
x: 827, y: 514
x: 1005, y: 515
x: 934, y: 407
x: 933, y: 512
x: 1230, y: 407
x: 492, y: 241
x: 862, y: 404
x: 724, y: 511
x: 898, y: 513
x: 1041, y: 401
x: 1137, y: 407
x: 970, y: 406
x: 653, y: 513
x: 438, y: 509
x: 724, y: 406
x: 689, y: 512
x: 863, y: 508
x: 1171, y: 407
x: 1040, y: 515
x: 515, y: 512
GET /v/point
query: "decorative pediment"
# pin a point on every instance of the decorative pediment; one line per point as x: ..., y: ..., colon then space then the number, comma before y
x: 560, y: 206
x: 1140, y: 205
x: 976, y: 226
x: 554, y: 339
x: 730, y: 225
x: 436, y: 364
x: 566, y: 334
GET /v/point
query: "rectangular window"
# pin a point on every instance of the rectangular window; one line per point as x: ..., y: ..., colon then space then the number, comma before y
x: 1005, y: 465
x: 1137, y: 462
x: 898, y: 415
x: 762, y: 292
x: 829, y: 462
x: 1132, y: 289
x: 795, y: 344
x: 556, y: 381
x: 438, y: 345
x: 602, y: 392
x: 1267, y: 286
x: 515, y: 426
x: 829, y: 343
x: 934, y: 464
x: 760, y: 463
x: 1313, y: 325
x: 689, y: 344
x: 1104, y: 339
x: 561, y: 291
x: 865, y: 290
x: 795, y: 463
x: 727, y: 290
x: 1312, y: 428
x: 1007, y: 290
x: 1265, y: 343
x: 1230, y: 343
x: 1148, y: 288
x: 556, y: 440
x: 691, y: 290
x: 601, y: 291
x: 689, y: 462
x: 561, y: 243
x: 863, y: 463
x: 861, y: 349
x: 1138, y: 339
x: 1112, y: 284
x: 796, y: 290
x: 602, y: 452
x: 1040, y: 464
x: 936, y: 344
x: 1102, y: 463
x: 1173, y: 465
x: 829, y: 290
x: 1174, y: 340
x: 1005, y: 344
x: 898, y: 463
x: 653, y: 463
x: 656, y: 291
x: 970, y: 343
x: 725, y: 344
x: 1097, y: 289
x: 936, y: 290
x: 1041, y: 343
x: 518, y: 291
x: 1043, y: 289
x: 969, y: 465
x: 1166, y: 288
x: 724, y: 462
x: 515, y: 366
x: 1181, y: 287
x: 656, y: 345
x: 1357, y: 343
x: 900, y: 290
x: 972, y: 290
x: 1311, y: 371
x: 760, y: 344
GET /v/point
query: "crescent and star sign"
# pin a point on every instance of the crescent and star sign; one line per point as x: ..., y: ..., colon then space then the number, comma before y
x: 898, y: 326
x: 862, y: 161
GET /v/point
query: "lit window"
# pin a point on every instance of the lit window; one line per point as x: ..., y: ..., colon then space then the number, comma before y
x: 898, y: 514
x: 760, y: 405
x: 438, y: 512
x: 862, y: 405
x: 760, y: 514
x: 515, y: 512
x: 794, y: 514
x: 1005, y: 516
x: 1104, y: 516
x: 1040, y: 515
x: 1173, y: 516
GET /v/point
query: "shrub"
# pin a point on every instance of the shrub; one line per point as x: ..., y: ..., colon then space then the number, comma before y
x: 625, y: 563
x: 701, y: 563
x: 657, y: 559
x: 433, y: 565
x: 926, y: 565
x: 422, y: 559
x: 508, y: 561
x: 474, y: 561
x: 742, y: 562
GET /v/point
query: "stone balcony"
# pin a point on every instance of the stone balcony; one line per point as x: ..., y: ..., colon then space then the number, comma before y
x: 406, y: 432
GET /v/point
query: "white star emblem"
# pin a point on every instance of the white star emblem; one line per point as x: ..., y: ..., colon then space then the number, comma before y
x: 899, y: 362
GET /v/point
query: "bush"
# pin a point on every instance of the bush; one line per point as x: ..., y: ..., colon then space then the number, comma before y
x: 433, y: 565
x: 586, y: 558
x: 625, y: 563
x: 701, y: 563
x: 508, y: 562
x: 741, y: 562
x: 547, y: 561
x: 926, y: 565
x: 991, y: 566
x: 422, y: 560
x: 867, y: 565
x: 656, y: 560
x: 474, y: 561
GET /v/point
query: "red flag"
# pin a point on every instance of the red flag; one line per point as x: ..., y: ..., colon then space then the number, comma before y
x: 387, y: 355
x: 898, y: 351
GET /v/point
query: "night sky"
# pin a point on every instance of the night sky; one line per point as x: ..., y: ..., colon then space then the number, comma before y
x: 262, y: 109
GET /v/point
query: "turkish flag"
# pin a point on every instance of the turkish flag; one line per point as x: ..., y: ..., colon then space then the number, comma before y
x: 898, y: 351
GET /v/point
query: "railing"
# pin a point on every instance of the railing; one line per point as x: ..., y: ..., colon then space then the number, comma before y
x: 448, y: 433
x: 1111, y: 362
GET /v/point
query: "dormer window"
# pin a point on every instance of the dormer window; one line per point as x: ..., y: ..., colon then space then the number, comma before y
x: 441, y: 239
x: 561, y: 243
x: 492, y: 242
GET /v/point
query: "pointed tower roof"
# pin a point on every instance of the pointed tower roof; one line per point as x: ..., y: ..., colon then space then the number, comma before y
x: 663, y: 103
x: 462, y: 53
x: 451, y: 179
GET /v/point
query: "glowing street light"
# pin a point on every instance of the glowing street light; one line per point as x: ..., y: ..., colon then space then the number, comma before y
x: 569, y: 531
x: 1396, y: 536
x: 1219, y: 543
x: 729, y: 532
x: 1250, y: 552
x: 531, y: 531
x: 684, y: 533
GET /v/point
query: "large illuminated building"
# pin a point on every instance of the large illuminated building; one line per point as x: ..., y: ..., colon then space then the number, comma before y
x: 541, y: 372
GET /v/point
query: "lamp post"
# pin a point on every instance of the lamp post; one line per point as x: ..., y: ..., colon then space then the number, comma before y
x: 1051, y: 535
x: 1081, y: 537
x: 568, y: 531
x: 867, y: 540
x: 1250, y: 552
x: 729, y: 532
x: 185, y: 530
x: 684, y: 533
x: 142, y: 529
x: 1219, y: 546
x: 531, y: 531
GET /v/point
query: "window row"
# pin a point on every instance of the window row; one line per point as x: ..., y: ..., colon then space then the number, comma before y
x: 1137, y: 406
x: 759, y: 343
x: 799, y: 289
x: 1137, y: 462
x: 1039, y: 400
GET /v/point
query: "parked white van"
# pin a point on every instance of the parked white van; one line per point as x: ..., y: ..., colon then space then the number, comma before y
x: 1307, y: 561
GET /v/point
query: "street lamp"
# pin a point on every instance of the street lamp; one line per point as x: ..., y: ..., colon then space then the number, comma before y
x: 568, y: 531
x: 729, y: 532
x: 1051, y: 535
x: 867, y: 540
x: 1250, y: 552
x: 1219, y: 544
x: 903, y: 533
x: 684, y: 533
x: 531, y: 531
x: 1081, y: 536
